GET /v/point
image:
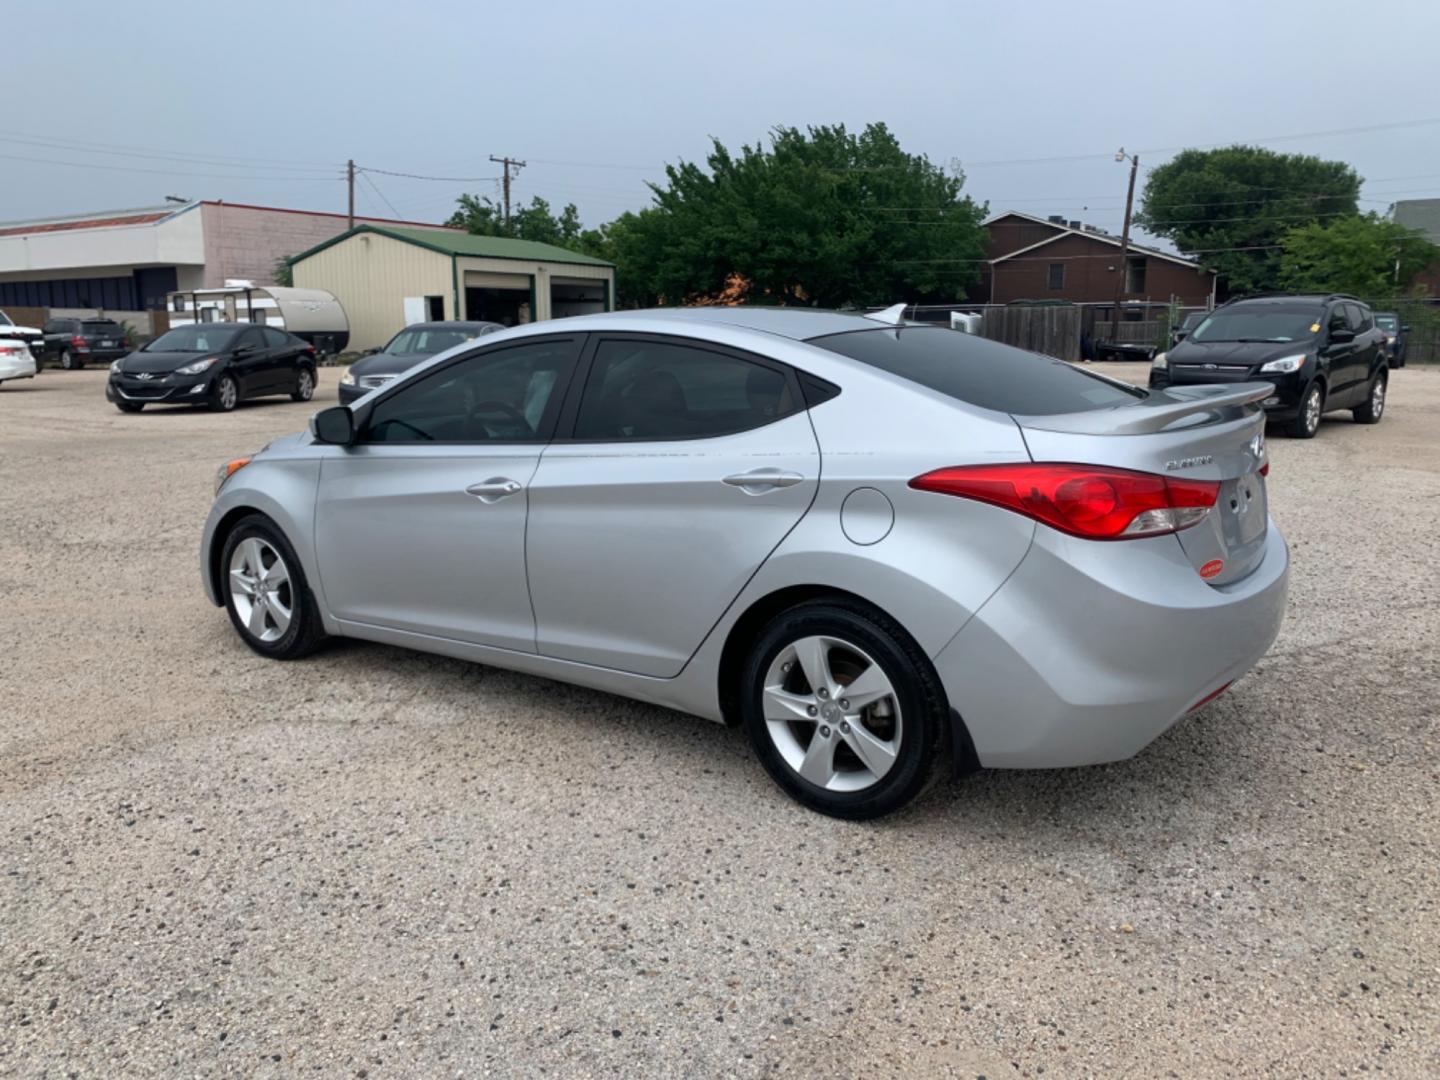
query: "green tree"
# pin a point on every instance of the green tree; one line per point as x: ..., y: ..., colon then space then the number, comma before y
x: 482, y: 216
x: 1365, y: 255
x: 1229, y: 208
x: 283, y: 273
x: 822, y: 217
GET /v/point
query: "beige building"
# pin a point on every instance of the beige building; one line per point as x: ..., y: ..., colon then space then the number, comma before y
x: 389, y: 277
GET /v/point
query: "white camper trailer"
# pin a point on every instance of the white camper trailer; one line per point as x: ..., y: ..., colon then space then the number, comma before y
x: 311, y: 314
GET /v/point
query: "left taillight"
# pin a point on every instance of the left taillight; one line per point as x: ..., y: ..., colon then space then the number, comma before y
x: 1088, y: 501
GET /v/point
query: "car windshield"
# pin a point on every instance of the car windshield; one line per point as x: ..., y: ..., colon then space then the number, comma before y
x: 5, y: 319
x: 1269, y: 323
x: 194, y: 339
x: 1192, y: 320
x: 1387, y: 322
x: 981, y: 372
x: 426, y: 342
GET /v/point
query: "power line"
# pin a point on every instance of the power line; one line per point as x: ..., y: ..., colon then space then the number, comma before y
x: 178, y: 155
x: 443, y: 179
x: 164, y: 172
x: 377, y: 191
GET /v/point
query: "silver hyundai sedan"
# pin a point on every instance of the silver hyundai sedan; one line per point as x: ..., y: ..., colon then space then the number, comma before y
x: 867, y: 542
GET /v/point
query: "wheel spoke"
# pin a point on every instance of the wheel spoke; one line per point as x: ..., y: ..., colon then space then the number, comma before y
x: 813, y: 655
x: 250, y: 552
x: 276, y: 575
x: 819, y: 764
x: 870, y: 687
x: 877, y: 754
x: 241, y: 583
x: 279, y: 614
x: 781, y: 705
x: 255, y: 622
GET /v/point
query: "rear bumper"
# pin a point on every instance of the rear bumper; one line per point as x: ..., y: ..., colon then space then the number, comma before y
x: 1281, y: 405
x: 17, y: 367
x: 1090, y: 650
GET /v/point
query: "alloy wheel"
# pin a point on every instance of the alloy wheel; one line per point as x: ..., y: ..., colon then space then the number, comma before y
x: 305, y: 386
x: 229, y: 393
x: 832, y: 713
x: 261, y: 590
x: 1377, y: 398
x: 1312, y: 410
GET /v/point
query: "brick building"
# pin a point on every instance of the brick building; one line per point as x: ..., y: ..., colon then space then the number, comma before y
x: 1034, y: 258
x: 125, y: 261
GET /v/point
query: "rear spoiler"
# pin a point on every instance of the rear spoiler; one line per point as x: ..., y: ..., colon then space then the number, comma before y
x: 1161, y: 410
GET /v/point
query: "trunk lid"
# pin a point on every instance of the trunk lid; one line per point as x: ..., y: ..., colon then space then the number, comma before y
x: 1186, y: 432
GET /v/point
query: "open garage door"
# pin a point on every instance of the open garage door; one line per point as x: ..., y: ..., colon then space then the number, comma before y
x: 576, y: 296
x: 501, y: 298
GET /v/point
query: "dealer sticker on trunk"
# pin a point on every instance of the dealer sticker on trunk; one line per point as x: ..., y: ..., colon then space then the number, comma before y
x: 1211, y: 568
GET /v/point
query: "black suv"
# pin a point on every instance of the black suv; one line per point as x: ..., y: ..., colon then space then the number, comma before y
x: 79, y: 341
x: 1322, y: 353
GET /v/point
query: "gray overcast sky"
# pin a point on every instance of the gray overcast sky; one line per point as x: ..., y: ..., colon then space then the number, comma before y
x: 597, y: 97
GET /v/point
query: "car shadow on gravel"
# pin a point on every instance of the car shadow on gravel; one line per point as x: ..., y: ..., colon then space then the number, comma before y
x: 1186, y: 778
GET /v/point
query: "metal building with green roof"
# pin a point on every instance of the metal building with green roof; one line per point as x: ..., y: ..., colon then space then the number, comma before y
x: 389, y: 277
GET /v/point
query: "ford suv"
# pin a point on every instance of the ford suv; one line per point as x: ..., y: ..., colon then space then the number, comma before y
x: 1322, y: 353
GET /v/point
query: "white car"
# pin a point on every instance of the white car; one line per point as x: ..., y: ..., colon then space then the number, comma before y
x: 16, y: 360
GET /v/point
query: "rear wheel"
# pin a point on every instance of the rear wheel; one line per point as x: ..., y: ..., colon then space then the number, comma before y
x: 69, y: 361
x: 270, y: 604
x: 1307, y: 420
x: 226, y: 394
x: 843, y: 709
x: 1374, y: 406
x: 304, y: 386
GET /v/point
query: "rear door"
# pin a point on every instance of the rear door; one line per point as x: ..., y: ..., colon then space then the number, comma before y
x: 682, y: 467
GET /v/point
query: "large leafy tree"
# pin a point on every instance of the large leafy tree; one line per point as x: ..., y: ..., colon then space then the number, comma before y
x: 821, y: 217
x: 1365, y: 255
x: 1229, y: 208
x: 482, y: 216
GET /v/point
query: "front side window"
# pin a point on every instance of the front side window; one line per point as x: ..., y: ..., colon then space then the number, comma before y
x: 1358, y: 318
x: 649, y: 389
x: 505, y: 395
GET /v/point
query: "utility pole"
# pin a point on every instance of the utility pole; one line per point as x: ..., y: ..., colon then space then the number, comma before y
x: 1134, y: 160
x: 509, y: 163
x: 350, y: 183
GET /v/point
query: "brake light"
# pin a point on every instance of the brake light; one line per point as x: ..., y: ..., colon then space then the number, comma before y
x: 1265, y: 469
x: 78, y: 341
x: 1088, y: 501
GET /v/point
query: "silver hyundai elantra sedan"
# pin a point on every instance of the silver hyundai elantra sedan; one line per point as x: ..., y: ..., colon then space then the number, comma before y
x: 867, y: 542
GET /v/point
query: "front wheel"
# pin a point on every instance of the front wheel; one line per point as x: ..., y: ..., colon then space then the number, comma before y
x: 1374, y: 406
x: 304, y: 386
x: 226, y: 394
x: 1307, y: 420
x: 843, y: 708
x: 270, y: 604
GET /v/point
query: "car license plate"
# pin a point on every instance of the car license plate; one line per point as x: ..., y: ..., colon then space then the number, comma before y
x: 105, y: 344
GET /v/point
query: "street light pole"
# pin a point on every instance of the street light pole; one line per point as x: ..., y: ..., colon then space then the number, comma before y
x: 1134, y: 160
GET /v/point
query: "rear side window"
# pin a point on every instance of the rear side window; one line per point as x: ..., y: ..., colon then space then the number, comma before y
x: 651, y: 389
x: 980, y: 372
x: 275, y: 338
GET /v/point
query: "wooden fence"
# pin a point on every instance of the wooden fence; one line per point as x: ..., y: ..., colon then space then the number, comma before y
x: 1053, y: 331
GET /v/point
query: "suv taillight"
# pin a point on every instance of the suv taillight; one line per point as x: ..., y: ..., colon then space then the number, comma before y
x: 78, y: 341
x: 1088, y: 501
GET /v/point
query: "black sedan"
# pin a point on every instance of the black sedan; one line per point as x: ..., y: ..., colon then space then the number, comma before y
x: 217, y: 365
x: 406, y: 349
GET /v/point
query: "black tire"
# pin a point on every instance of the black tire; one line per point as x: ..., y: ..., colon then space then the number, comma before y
x: 225, y: 394
x: 304, y: 385
x: 69, y: 361
x: 1307, y: 420
x: 1374, y: 407
x: 129, y: 406
x: 305, y: 632
x: 919, y: 726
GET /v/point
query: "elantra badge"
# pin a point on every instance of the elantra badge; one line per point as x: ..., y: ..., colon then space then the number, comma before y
x: 1189, y: 462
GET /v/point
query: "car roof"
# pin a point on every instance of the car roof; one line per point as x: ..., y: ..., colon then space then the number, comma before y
x: 796, y: 323
x: 451, y: 324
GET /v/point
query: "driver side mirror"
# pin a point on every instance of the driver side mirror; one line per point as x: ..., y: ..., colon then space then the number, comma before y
x: 1339, y: 336
x: 335, y: 426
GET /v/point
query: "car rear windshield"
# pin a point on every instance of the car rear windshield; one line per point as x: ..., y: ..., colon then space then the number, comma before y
x: 99, y: 326
x: 980, y: 372
x: 1263, y: 322
x: 427, y: 342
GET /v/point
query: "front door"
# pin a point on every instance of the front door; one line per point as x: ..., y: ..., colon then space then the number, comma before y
x: 250, y: 362
x: 422, y: 522
x: 684, y: 467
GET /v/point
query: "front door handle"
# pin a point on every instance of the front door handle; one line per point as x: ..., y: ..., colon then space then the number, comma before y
x: 759, y: 481
x: 494, y: 489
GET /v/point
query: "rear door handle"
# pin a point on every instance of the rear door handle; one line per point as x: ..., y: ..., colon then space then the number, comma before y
x: 494, y: 489
x: 759, y: 481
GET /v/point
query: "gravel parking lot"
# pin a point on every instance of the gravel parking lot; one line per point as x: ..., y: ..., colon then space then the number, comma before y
x: 379, y: 863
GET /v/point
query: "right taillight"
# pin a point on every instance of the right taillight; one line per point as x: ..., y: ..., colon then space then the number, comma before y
x: 1089, y: 501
